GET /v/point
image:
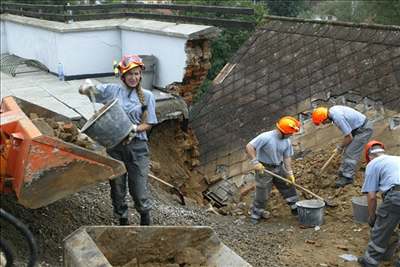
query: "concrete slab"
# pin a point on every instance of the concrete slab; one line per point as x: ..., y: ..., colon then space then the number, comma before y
x: 44, y: 89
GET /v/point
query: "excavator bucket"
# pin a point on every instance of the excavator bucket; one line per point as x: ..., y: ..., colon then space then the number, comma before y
x: 41, y: 169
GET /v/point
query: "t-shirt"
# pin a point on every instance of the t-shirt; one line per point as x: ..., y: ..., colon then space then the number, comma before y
x: 130, y: 102
x: 382, y: 173
x: 346, y: 118
x: 271, y: 148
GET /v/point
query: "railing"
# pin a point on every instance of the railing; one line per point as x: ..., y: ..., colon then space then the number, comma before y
x: 221, y: 16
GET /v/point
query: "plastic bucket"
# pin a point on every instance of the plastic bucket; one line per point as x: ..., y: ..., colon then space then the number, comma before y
x: 109, y: 126
x: 311, y: 212
x: 360, y: 209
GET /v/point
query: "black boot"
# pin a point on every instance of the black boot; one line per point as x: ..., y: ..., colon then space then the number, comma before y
x: 123, y: 221
x: 145, y: 218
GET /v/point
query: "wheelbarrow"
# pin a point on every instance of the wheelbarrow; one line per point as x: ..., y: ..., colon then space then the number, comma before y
x: 40, y: 169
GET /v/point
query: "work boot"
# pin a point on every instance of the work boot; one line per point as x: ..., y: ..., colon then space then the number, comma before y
x: 363, y: 262
x: 145, y: 218
x: 343, y: 181
x: 123, y: 221
x: 255, y: 215
x: 294, y: 212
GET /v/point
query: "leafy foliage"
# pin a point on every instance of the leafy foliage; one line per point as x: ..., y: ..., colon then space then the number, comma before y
x: 379, y: 12
x: 285, y: 8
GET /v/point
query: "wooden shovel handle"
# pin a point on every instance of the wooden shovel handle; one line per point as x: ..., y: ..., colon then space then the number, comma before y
x: 328, y: 161
x: 296, y: 185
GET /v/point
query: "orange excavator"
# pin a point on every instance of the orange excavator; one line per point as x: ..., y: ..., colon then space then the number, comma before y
x: 40, y: 169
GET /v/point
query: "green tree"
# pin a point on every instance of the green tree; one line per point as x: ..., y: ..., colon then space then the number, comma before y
x: 285, y: 8
x: 379, y: 12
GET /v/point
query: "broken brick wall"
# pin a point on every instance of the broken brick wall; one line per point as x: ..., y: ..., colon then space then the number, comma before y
x: 287, y: 67
x: 197, y: 65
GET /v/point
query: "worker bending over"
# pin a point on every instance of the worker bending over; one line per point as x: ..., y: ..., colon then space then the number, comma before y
x: 273, y: 150
x: 383, y: 175
x: 139, y: 105
x: 357, y: 130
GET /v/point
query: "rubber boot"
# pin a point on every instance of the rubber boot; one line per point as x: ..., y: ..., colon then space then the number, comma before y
x: 294, y: 212
x: 343, y: 181
x: 145, y: 218
x: 123, y: 221
x: 362, y: 262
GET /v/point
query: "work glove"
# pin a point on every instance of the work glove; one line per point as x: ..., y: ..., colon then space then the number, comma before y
x: 371, y: 220
x: 87, y: 88
x: 291, y: 177
x: 131, y: 135
x: 258, y: 166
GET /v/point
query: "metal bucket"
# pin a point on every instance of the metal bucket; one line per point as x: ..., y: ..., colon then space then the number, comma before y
x: 360, y: 209
x: 311, y: 212
x: 109, y: 126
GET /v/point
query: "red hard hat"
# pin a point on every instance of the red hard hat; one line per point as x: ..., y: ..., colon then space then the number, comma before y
x: 368, y: 147
x: 129, y: 62
x: 288, y: 125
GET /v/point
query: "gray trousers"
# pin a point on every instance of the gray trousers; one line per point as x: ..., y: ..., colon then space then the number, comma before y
x: 352, y: 153
x: 135, y: 155
x: 388, y: 218
x: 264, y: 184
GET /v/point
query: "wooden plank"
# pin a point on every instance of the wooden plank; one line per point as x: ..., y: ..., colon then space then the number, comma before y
x: 97, y: 16
x: 189, y: 8
x: 227, y: 23
x: 32, y: 6
x: 195, y: 8
x: 49, y: 16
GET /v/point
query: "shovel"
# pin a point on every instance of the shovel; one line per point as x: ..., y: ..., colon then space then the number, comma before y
x: 177, y: 191
x: 328, y: 204
x: 328, y: 161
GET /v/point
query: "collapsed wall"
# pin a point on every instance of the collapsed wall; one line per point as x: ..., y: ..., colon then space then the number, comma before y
x: 198, y: 57
x: 288, y: 67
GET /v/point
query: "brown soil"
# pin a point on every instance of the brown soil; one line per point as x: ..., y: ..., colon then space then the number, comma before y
x: 278, y: 241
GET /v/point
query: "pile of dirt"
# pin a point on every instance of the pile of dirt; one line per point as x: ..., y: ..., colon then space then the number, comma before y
x: 175, y: 156
x: 278, y: 241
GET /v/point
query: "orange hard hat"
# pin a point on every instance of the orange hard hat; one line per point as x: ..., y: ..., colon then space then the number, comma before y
x: 288, y: 125
x: 371, y: 144
x: 129, y: 62
x: 319, y: 115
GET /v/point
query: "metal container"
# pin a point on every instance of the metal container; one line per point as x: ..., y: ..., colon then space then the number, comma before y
x: 109, y: 246
x: 109, y: 126
x: 360, y: 209
x: 311, y: 212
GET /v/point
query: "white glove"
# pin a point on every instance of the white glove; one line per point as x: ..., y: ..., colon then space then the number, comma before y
x: 87, y: 88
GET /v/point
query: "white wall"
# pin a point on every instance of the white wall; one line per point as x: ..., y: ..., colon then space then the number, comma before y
x: 169, y: 51
x: 86, y: 51
x: 3, y: 36
x: 89, y: 52
x: 33, y: 43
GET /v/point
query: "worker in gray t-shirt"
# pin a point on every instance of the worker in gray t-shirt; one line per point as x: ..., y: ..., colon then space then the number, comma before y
x: 273, y: 151
x: 357, y: 130
x: 382, y: 175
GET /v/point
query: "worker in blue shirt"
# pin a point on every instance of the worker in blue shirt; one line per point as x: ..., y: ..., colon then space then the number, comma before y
x: 139, y: 105
x: 381, y: 175
x: 273, y: 150
x: 357, y: 130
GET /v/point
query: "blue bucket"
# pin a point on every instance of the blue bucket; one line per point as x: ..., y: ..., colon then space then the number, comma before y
x: 311, y: 212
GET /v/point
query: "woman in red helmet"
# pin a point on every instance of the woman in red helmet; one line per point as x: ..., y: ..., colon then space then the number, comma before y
x: 139, y: 104
x: 273, y: 150
x: 381, y: 175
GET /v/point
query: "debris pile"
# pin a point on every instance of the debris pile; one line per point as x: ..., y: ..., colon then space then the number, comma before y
x: 66, y: 131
